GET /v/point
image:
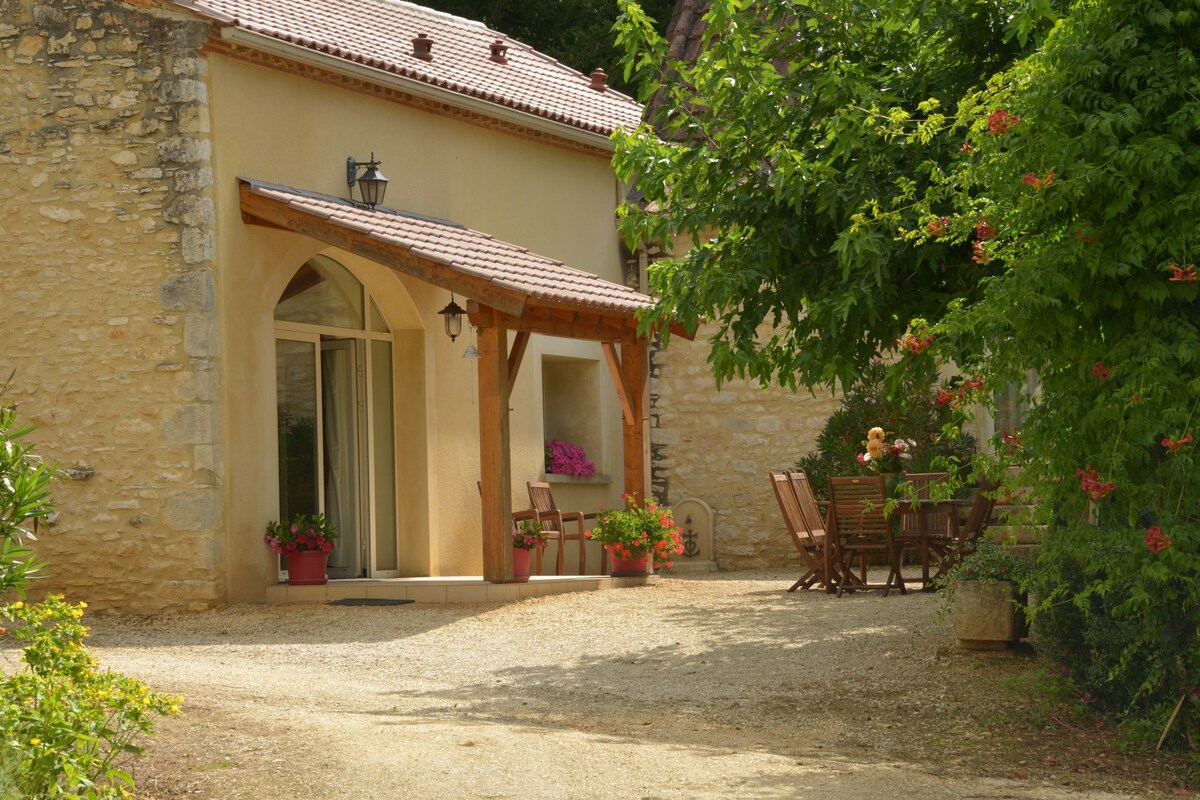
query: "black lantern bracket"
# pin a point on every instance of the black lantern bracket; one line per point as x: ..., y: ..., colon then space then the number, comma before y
x: 371, y: 185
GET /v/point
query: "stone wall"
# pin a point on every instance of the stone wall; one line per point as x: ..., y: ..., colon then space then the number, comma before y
x: 719, y: 445
x: 107, y: 294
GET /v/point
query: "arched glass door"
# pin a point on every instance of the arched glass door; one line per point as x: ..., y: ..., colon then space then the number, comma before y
x: 333, y: 368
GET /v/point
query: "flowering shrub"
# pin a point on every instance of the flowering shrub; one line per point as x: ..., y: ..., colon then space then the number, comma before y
x: 638, y: 531
x: 303, y: 534
x: 884, y: 457
x: 66, y: 727
x: 529, y: 535
x: 908, y: 401
x: 24, y: 499
x: 564, y: 458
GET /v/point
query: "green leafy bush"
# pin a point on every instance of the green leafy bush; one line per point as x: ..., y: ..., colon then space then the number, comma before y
x: 1124, y: 618
x: 70, y: 726
x: 66, y: 727
x: 903, y: 404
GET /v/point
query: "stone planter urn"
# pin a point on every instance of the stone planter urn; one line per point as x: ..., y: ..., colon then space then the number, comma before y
x: 988, y: 616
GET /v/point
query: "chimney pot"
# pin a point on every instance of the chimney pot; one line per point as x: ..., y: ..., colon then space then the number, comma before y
x: 499, y: 51
x: 598, y: 79
x: 423, y: 47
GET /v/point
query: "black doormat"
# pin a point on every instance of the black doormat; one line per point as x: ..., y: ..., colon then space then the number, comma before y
x: 368, y: 601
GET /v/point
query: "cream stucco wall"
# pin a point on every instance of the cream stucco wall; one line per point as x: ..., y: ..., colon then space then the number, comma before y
x: 276, y: 127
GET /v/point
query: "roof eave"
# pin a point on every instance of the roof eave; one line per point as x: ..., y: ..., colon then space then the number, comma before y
x: 384, y: 78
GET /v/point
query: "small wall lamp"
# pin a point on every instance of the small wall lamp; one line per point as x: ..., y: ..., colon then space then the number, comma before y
x: 452, y: 316
x: 372, y: 185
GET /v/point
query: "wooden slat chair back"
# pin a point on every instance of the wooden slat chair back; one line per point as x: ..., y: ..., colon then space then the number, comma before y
x: 979, y: 516
x: 808, y: 504
x: 937, y: 521
x: 554, y: 521
x: 859, y: 527
x: 802, y: 537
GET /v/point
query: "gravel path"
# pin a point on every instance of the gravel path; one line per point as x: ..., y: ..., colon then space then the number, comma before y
x: 715, y: 686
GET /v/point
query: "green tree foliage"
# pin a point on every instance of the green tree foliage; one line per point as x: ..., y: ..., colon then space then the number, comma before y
x: 1046, y: 227
x: 1084, y: 159
x: 782, y: 148
x: 576, y: 32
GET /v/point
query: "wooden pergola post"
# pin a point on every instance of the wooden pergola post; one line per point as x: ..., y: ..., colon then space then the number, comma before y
x: 494, y: 456
x: 631, y: 378
x: 635, y: 377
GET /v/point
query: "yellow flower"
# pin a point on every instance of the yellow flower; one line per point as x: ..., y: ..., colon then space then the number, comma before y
x: 82, y: 605
x: 17, y: 606
x: 875, y: 434
x: 35, y: 742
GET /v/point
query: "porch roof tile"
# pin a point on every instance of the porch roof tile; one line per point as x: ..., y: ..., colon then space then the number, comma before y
x: 461, y: 249
x: 379, y: 34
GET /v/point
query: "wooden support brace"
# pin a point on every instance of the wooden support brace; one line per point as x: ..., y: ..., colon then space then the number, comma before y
x: 520, y: 342
x: 614, y: 367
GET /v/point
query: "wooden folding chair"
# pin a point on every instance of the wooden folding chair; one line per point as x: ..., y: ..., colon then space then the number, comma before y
x: 940, y: 520
x: 553, y: 523
x: 966, y: 534
x: 815, y: 519
x: 517, y: 516
x: 811, y: 549
x: 858, y: 527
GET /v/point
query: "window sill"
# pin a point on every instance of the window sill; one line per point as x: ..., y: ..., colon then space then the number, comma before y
x: 552, y: 477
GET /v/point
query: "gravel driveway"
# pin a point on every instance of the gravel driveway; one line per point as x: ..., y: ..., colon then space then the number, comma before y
x: 717, y: 686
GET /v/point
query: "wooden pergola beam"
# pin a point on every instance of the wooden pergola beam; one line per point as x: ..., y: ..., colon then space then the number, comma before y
x: 596, y: 326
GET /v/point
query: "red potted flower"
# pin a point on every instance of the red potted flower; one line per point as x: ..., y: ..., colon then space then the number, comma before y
x: 636, y: 533
x: 305, y: 543
x: 525, y: 538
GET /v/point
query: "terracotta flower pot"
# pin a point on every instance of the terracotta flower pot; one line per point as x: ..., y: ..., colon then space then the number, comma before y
x: 307, y: 568
x: 627, y: 567
x: 521, y: 558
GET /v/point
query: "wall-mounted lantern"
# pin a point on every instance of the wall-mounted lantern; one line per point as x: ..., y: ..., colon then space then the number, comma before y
x: 372, y: 185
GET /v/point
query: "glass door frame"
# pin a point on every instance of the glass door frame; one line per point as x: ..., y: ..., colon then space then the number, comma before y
x: 302, y: 332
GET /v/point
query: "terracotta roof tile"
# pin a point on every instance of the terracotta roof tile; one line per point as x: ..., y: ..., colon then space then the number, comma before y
x: 467, y: 251
x: 379, y: 33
